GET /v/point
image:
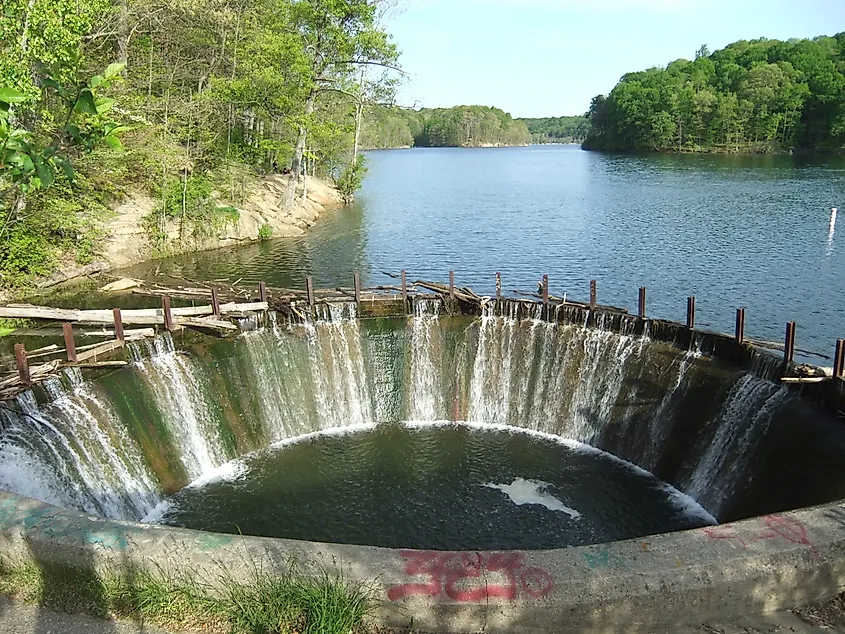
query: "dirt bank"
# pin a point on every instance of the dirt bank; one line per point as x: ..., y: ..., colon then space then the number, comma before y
x: 128, y: 242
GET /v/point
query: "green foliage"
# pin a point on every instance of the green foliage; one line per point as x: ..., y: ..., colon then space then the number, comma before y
x: 760, y: 96
x: 265, y: 232
x: 461, y: 126
x: 102, y: 98
x: 558, y: 129
x: 267, y: 604
x: 352, y: 178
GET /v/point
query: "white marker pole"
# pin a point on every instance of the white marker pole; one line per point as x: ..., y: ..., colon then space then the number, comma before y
x: 831, y: 230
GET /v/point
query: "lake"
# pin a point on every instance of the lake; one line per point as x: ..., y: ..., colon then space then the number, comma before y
x: 747, y: 231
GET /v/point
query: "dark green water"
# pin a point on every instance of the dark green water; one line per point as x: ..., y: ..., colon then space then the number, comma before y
x: 446, y: 487
x: 733, y: 231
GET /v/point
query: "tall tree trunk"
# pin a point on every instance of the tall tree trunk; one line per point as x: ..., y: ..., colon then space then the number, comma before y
x: 123, y: 32
x: 298, y: 152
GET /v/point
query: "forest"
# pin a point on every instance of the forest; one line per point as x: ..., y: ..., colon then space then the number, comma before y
x: 187, y: 100
x: 558, y: 129
x: 759, y: 96
x: 460, y: 126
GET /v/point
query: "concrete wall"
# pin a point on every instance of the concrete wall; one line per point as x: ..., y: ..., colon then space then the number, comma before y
x: 758, y: 565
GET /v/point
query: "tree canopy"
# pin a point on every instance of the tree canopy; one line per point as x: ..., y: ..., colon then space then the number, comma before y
x: 460, y: 126
x: 752, y: 96
x: 102, y: 97
x: 558, y: 129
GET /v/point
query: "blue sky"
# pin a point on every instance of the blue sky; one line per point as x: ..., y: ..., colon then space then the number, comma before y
x: 537, y: 58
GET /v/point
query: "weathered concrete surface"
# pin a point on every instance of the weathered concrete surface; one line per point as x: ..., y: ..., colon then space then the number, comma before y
x: 18, y: 618
x: 755, y: 566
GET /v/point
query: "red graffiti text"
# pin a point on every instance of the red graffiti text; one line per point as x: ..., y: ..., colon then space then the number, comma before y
x: 466, y: 577
x: 775, y: 527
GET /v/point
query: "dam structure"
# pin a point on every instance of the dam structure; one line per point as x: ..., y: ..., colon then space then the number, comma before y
x: 502, y: 464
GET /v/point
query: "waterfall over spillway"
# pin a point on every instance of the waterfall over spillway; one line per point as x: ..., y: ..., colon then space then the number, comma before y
x: 185, y: 407
x: 74, y: 452
x: 113, y: 446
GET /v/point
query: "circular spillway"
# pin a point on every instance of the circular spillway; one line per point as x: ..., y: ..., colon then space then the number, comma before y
x: 440, y: 486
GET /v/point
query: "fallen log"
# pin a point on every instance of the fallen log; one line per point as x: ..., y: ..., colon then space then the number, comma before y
x: 64, y: 276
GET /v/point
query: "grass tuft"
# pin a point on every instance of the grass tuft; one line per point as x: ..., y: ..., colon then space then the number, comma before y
x: 268, y: 604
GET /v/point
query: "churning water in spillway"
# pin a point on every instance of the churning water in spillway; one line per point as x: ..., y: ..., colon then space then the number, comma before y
x: 121, y: 444
x: 442, y: 486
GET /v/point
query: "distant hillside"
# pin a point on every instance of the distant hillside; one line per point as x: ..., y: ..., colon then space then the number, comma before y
x: 558, y: 129
x: 460, y: 126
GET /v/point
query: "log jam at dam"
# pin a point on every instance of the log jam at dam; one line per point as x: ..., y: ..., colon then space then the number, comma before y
x: 426, y: 418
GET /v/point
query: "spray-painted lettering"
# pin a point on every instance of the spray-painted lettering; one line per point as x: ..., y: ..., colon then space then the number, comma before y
x: 471, y: 577
x: 775, y: 527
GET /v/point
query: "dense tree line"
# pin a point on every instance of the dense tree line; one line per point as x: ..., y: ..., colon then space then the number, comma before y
x: 460, y: 126
x: 758, y: 96
x: 186, y: 99
x: 558, y: 129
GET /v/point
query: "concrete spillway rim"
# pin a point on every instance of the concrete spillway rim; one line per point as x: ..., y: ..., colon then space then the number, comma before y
x: 758, y: 565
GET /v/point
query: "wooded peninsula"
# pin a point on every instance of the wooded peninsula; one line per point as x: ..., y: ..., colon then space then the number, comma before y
x: 759, y: 96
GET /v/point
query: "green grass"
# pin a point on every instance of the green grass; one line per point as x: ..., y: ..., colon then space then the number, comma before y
x: 287, y: 604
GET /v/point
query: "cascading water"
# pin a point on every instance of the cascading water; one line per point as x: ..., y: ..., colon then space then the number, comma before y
x: 184, y: 406
x: 74, y: 452
x: 619, y: 392
x: 426, y: 396
x: 740, y: 427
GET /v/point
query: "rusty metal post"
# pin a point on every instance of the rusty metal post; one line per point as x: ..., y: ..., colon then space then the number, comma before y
x: 839, y: 359
x: 262, y: 292
x: 23, y: 363
x: 740, y: 325
x: 404, y: 287
x: 593, y: 295
x: 641, y: 303
x: 215, y: 302
x: 118, y: 325
x: 498, y: 285
x: 690, y: 313
x: 70, y: 344
x: 452, y: 284
x: 168, y: 317
x: 309, y: 285
x: 789, y: 343
x: 356, y: 282
x: 545, y: 289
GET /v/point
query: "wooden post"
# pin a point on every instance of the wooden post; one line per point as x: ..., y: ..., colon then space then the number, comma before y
x: 168, y: 317
x: 356, y: 281
x: 641, y: 303
x: 404, y: 287
x: 309, y: 285
x: 740, y: 325
x: 498, y: 285
x: 545, y: 289
x: 70, y: 344
x: 452, y: 284
x: 215, y: 302
x: 593, y: 295
x: 690, y: 313
x: 789, y: 344
x: 839, y: 360
x: 262, y: 292
x: 23, y: 363
x: 118, y: 325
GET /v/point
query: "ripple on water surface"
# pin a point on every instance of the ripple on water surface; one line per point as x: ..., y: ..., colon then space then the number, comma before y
x: 434, y: 486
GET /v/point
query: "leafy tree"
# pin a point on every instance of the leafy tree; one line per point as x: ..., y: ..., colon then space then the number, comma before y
x: 759, y: 96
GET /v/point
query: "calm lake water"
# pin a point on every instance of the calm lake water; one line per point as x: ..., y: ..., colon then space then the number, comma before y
x: 733, y: 231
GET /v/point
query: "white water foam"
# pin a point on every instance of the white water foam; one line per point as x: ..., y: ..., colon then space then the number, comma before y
x: 522, y: 492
